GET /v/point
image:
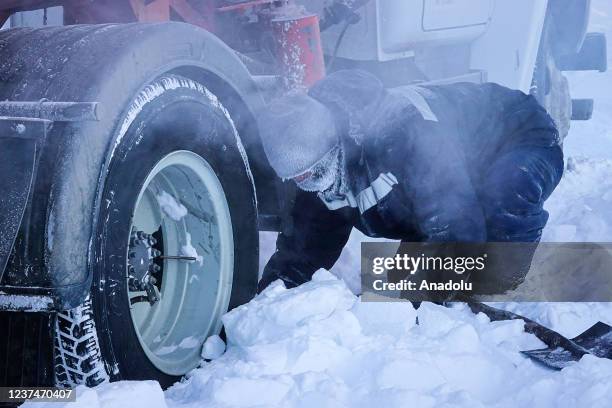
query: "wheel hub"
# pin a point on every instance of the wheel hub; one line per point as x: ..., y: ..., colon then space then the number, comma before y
x: 142, y: 266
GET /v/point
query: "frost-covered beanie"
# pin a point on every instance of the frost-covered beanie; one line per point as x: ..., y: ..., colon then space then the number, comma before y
x: 296, y: 132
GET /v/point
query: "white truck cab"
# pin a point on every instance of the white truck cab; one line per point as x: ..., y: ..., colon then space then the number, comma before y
x: 521, y: 44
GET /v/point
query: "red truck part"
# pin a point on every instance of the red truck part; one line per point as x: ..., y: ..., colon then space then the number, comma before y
x: 299, y: 51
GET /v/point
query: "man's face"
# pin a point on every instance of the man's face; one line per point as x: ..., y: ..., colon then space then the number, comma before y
x: 322, y: 175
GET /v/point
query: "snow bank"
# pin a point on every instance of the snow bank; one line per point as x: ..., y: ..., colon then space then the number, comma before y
x: 135, y: 394
x: 580, y: 207
x: 318, y: 345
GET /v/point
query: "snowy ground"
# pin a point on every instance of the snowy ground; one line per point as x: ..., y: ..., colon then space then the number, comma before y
x: 319, y: 346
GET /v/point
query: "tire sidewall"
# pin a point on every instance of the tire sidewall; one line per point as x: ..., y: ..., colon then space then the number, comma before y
x: 178, y: 119
x: 107, y: 64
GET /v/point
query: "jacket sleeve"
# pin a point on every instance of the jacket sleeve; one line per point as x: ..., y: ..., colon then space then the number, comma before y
x: 437, y: 180
x: 534, y: 138
x: 315, y: 241
x: 525, y: 122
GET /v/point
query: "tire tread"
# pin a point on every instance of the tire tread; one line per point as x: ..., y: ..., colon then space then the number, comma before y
x: 77, y: 352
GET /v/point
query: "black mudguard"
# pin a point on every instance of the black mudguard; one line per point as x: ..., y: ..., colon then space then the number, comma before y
x: 18, y: 149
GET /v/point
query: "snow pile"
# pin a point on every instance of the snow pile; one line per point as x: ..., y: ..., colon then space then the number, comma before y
x: 569, y: 319
x: 187, y: 343
x: 135, y: 394
x: 318, y: 345
x: 579, y: 206
x: 189, y: 250
x: 213, y: 347
x: 170, y: 206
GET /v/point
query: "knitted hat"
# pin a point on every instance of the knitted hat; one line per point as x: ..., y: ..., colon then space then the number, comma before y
x: 296, y: 132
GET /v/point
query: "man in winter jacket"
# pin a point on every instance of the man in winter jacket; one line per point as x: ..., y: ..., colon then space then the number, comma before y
x: 451, y: 163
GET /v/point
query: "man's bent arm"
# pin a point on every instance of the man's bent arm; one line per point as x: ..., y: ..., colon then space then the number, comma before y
x: 436, y: 178
x: 315, y: 241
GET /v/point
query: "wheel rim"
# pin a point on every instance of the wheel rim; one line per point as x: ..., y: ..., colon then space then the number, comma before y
x: 183, y: 207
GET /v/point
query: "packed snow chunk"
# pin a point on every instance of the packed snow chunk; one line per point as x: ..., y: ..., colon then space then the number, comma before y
x: 391, y: 397
x: 315, y: 354
x: 585, y: 384
x: 278, y: 312
x: 249, y: 392
x: 144, y: 394
x: 464, y: 338
x: 322, y: 391
x: 580, y: 205
x: 482, y: 374
x: 436, y: 321
x: 501, y: 331
x: 297, y: 355
x: 213, y: 348
x: 269, y: 358
x: 189, y: 250
x: 135, y: 394
x: 569, y: 319
x: 410, y: 373
x: 171, y: 207
x: 187, y: 343
x: 393, y: 318
x: 85, y: 398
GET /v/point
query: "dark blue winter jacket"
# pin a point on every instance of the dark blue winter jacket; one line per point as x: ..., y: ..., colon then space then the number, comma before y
x: 462, y: 162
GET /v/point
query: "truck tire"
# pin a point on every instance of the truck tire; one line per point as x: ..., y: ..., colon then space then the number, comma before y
x: 187, y: 194
x: 549, y: 85
x: 155, y: 201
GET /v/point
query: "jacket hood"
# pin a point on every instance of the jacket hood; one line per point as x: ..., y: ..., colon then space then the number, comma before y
x: 350, y: 95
